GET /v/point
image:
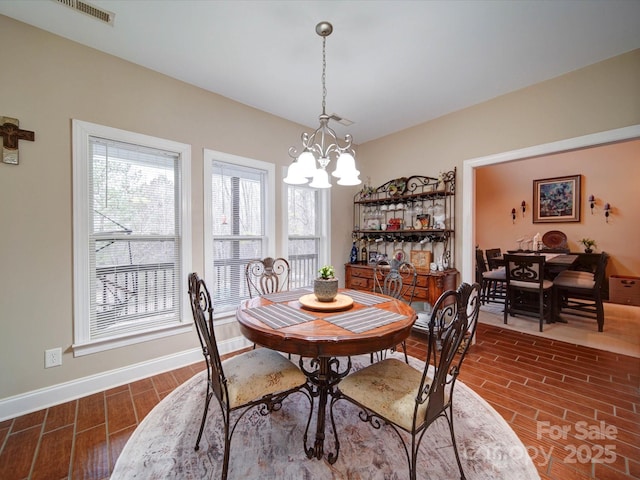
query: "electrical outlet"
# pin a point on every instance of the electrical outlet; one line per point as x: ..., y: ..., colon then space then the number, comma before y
x: 53, y: 357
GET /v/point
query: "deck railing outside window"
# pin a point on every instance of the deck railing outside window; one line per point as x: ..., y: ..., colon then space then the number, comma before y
x: 137, y: 291
x: 130, y: 292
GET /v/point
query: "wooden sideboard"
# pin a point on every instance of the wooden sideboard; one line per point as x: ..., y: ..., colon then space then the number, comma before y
x: 429, y: 286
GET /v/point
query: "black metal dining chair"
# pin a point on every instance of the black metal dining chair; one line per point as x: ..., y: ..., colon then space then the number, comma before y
x: 527, y: 291
x: 398, y: 280
x: 259, y: 377
x: 407, y: 399
x: 267, y: 275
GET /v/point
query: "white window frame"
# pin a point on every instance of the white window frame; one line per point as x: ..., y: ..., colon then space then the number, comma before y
x: 269, y: 245
x: 324, y: 215
x: 82, y: 131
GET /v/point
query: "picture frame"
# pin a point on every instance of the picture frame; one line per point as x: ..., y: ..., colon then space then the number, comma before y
x: 557, y: 200
x: 421, y: 258
x: 373, y: 256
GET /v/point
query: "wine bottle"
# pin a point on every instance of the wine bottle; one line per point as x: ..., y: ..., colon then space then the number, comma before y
x: 354, y: 254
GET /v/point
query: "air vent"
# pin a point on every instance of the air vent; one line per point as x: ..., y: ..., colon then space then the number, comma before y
x: 88, y: 9
x: 340, y: 120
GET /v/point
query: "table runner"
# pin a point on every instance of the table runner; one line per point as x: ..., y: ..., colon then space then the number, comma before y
x: 365, y: 319
x: 364, y: 298
x: 280, y: 316
x: 288, y: 296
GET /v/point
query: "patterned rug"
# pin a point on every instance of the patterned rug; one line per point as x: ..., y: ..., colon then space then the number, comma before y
x: 269, y: 447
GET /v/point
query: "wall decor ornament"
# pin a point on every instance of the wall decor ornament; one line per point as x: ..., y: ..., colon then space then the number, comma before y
x: 11, y: 132
x: 556, y: 200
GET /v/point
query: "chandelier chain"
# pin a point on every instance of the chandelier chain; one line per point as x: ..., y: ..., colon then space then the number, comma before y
x: 324, y: 74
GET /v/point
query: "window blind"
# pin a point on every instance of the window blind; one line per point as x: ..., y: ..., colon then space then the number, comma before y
x: 134, y: 238
x: 238, y: 229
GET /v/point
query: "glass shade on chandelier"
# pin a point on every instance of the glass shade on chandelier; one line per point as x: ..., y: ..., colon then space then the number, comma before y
x: 322, y: 146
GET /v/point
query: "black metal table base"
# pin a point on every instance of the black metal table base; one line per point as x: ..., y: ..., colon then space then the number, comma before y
x: 322, y: 378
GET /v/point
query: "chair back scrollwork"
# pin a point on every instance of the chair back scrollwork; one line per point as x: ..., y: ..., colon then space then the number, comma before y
x: 268, y: 275
x: 454, y: 320
x: 395, y: 279
x: 202, y: 309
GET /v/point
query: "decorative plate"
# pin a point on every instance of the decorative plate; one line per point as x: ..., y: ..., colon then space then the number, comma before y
x: 398, y: 186
x: 399, y: 255
x: 554, y: 239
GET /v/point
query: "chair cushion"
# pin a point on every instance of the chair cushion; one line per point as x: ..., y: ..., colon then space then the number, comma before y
x: 575, y: 279
x: 388, y: 388
x: 546, y: 284
x: 498, y: 274
x: 259, y: 372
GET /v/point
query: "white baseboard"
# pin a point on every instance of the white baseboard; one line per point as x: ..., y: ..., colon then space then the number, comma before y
x: 63, y: 392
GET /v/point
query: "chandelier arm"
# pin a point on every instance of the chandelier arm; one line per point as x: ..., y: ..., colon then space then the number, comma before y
x: 293, y: 152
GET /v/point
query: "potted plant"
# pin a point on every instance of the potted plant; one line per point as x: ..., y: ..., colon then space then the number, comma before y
x: 325, y: 286
x: 588, y: 243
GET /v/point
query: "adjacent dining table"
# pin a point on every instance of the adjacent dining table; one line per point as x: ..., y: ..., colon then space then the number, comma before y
x: 293, y: 322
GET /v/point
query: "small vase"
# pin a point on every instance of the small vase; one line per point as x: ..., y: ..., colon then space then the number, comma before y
x: 325, y: 290
x: 588, y: 250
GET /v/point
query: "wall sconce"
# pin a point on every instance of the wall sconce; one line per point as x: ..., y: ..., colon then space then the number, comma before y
x: 607, y: 209
x: 513, y: 214
x: 592, y: 202
x: 524, y: 207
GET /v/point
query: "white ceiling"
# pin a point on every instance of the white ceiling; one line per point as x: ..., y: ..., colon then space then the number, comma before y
x: 390, y: 64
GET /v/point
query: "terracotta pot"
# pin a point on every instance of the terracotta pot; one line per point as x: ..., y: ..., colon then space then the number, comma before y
x: 325, y: 290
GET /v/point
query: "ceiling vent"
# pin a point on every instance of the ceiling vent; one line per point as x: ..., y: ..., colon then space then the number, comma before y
x: 88, y: 9
x: 340, y: 120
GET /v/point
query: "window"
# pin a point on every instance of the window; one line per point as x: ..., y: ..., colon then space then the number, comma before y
x: 132, y: 237
x: 307, y: 225
x: 239, y: 223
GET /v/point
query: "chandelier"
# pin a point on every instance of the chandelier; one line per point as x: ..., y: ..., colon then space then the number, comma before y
x: 322, y: 145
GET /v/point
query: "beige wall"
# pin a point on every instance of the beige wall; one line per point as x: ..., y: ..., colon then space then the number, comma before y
x: 601, y: 97
x: 608, y: 172
x: 46, y: 81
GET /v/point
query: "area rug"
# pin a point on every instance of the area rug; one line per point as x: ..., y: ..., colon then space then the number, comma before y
x: 270, y: 447
x: 621, y: 328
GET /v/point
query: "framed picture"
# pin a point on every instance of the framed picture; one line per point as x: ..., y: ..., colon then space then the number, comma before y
x: 421, y: 258
x: 373, y: 256
x: 556, y: 200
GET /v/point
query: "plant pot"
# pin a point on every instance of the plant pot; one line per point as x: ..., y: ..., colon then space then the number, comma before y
x: 325, y: 290
x: 588, y: 250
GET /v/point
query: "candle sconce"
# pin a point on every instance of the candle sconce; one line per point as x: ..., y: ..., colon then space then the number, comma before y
x: 513, y: 215
x: 592, y: 202
x: 524, y: 207
x: 607, y: 209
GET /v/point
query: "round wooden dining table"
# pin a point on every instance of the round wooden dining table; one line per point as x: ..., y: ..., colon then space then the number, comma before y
x: 321, y: 335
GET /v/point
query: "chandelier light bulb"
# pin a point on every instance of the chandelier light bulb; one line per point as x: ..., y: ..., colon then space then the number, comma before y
x: 294, y: 175
x: 320, y: 179
x: 307, y: 164
x: 345, y: 166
